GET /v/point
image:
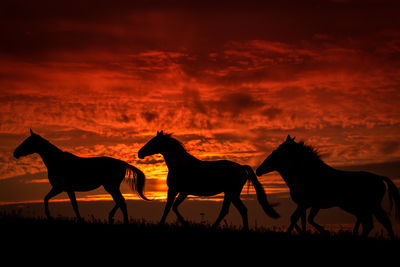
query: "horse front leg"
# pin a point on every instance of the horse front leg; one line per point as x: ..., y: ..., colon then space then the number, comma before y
x: 71, y: 195
x: 170, y: 200
x: 294, y: 218
x: 53, y: 192
x: 311, y: 216
x: 181, y: 197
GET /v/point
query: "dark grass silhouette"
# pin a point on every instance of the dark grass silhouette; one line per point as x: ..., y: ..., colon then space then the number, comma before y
x: 96, y: 240
x: 70, y: 173
x: 314, y: 184
x: 188, y: 175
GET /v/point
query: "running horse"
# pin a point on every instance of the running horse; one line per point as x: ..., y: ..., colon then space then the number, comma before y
x: 70, y: 173
x: 314, y: 184
x: 188, y: 175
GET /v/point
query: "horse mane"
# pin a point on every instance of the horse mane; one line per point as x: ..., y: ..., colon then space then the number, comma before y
x: 49, y: 145
x: 174, y: 141
x: 308, y: 154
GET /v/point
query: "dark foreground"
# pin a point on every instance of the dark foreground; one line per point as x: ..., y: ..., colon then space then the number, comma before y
x: 66, y: 239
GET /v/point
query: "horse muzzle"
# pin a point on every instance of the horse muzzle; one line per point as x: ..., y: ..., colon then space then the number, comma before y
x: 261, y: 171
x: 141, y: 155
x: 17, y: 156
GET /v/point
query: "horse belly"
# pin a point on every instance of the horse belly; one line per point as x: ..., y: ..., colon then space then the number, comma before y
x: 86, y: 179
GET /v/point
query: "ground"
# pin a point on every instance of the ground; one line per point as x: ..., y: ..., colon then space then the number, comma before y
x: 65, y: 240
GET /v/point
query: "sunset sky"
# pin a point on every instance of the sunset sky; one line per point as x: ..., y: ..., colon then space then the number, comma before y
x: 230, y: 79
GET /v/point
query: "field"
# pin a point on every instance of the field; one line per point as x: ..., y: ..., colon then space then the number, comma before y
x: 67, y: 240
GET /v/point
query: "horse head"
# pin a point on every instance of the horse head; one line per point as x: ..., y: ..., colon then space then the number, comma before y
x: 274, y: 161
x: 29, y: 146
x: 156, y: 145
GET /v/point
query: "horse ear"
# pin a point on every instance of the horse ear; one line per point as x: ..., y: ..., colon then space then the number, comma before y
x: 288, y: 138
x: 31, y: 131
x: 161, y: 132
x: 293, y: 138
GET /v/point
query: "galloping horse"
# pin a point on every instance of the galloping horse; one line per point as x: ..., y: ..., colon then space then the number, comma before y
x: 314, y: 184
x: 70, y: 173
x: 188, y: 175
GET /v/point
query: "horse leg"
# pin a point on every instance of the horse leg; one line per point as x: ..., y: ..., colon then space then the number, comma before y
x: 119, y: 203
x: 53, y: 192
x: 170, y: 200
x: 181, y: 197
x: 367, y: 223
x: 356, y: 227
x: 294, y: 218
x: 72, y: 197
x: 304, y: 221
x: 237, y: 202
x: 311, y: 216
x: 112, y: 213
x: 224, y: 210
x: 382, y: 217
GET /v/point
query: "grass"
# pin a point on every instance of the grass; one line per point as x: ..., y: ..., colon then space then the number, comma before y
x: 66, y: 236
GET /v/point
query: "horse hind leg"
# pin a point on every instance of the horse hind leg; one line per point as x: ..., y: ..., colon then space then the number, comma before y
x: 382, y: 217
x: 112, y: 213
x: 367, y: 224
x: 356, y: 226
x: 119, y: 203
x: 224, y: 210
x: 237, y: 202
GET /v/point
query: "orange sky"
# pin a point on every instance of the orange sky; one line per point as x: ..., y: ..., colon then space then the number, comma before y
x: 230, y: 80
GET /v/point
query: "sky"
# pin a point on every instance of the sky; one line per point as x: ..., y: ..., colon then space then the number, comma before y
x: 229, y: 79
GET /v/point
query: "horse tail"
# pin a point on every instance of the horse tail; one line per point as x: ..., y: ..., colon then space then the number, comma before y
x: 261, y: 195
x: 136, y: 179
x: 394, y: 196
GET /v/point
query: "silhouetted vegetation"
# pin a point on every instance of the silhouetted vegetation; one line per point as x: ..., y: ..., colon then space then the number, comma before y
x: 64, y: 232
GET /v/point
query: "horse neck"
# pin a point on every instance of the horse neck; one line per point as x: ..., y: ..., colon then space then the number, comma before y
x: 295, y: 173
x: 49, y: 153
x: 175, y: 158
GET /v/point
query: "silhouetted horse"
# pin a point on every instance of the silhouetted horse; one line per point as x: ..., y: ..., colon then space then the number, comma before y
x: 70, y: 173
x: 188, y: 175
x: 314, y: 184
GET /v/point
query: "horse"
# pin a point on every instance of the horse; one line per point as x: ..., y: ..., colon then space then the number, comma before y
x: 70, y: 173
x: 188, y: 175
x: 315, y: 184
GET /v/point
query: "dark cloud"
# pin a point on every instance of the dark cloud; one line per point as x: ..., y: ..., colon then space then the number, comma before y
x: 237, y: 103
x: 123, y: 118
x: 192, y: 100
x: 35, y: 31
x: 389, y: 147
x: 272, y: 112
x: 149, y: 116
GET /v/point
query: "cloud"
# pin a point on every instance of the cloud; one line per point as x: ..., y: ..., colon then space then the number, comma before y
x: 101, y: 80
x: 389, y: 147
